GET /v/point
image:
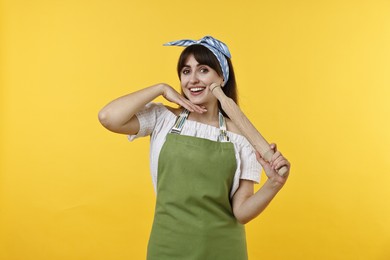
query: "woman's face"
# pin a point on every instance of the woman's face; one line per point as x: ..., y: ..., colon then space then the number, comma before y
x: 195, y: 79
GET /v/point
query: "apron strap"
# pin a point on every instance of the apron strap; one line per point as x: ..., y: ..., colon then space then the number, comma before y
x: 179, y: 123
x: 180, y: 120
x: 223, y: 137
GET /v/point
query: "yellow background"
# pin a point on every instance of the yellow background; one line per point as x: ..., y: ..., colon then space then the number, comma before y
x: 314, y: 77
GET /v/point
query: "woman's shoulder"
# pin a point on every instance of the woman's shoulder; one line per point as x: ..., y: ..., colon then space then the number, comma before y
x: 236, y: 135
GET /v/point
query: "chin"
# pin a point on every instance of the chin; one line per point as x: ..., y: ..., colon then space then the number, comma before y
x: 197, y: 102
x: 201, y: 99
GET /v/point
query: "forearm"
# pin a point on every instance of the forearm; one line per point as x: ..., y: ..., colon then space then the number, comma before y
x: 117, y: 114
x: 252, y: 205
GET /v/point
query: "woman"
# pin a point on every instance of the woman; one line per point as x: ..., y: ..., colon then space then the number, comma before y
x: 203, y: 169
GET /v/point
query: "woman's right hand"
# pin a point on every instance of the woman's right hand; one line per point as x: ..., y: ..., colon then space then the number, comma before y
x: 173, y: 96
x: 118, y: 115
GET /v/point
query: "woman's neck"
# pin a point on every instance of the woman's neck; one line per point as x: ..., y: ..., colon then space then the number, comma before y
x: 210, y: 117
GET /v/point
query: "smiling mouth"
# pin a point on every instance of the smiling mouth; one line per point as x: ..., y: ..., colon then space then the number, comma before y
x: 197, y: 90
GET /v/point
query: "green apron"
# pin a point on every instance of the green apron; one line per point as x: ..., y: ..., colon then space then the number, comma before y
x: 193, y: 216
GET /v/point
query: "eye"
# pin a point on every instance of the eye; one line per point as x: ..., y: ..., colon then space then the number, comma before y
x: 185, y: 71
x: 204, y: 70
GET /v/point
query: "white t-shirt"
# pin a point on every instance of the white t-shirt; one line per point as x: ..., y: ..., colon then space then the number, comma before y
x: 156, y: 120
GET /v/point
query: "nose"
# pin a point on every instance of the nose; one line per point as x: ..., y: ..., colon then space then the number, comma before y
x: 194, y: 78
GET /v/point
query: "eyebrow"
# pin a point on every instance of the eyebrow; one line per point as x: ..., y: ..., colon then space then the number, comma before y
x: 198, y: 65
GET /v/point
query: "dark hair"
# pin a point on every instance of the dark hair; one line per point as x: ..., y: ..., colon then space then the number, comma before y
x: 204, y: 56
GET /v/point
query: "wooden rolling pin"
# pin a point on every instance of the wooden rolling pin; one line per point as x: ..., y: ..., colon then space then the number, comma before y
x: 246, y: 127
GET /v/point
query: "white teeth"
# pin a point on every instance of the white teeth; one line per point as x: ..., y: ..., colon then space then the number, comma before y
x: 196, y: 89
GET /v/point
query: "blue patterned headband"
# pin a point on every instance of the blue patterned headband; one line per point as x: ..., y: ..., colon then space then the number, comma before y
x: 218, y: 48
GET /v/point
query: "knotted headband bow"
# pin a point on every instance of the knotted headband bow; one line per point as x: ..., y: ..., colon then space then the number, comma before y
x: 218, y: 48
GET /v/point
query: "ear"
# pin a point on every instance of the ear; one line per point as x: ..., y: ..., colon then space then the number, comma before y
x: 223, y: 83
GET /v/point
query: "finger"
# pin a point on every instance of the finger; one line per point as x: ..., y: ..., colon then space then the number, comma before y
x: 259, y: 158
x: 192, y: 107
x: 276, y: 155
x: 266, y: 165
x: 280, y: 163
x: 213, y: 86
x: 187, y: 104
x: 175, y: 97
x: 258, y: 155
x: 276, y: 161
x: 199, y: 109
x: 273, y: 147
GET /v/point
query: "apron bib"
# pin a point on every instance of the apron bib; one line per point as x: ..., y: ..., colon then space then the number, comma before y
x: 193, y: 216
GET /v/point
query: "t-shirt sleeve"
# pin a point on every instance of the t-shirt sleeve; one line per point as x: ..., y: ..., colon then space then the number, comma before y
x: 147, y: 118
x: 250, y: 167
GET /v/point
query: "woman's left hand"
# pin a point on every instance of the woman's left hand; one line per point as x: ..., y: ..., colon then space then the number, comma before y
x: 271, y: 168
